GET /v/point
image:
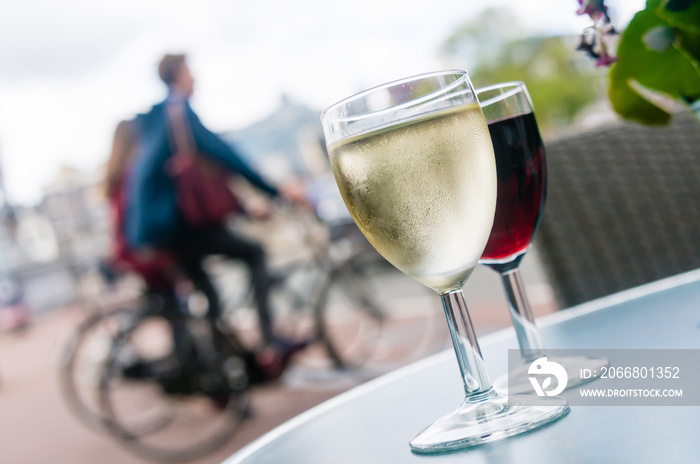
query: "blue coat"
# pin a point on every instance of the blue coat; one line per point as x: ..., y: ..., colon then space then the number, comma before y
x: 152, y: 215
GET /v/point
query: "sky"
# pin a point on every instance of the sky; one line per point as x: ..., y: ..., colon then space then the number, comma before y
x: 70, y: 70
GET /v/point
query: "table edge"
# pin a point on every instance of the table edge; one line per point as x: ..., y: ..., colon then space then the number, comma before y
x: 571, y: 313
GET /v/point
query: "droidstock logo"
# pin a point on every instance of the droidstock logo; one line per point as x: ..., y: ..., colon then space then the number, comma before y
x: 540, y: 367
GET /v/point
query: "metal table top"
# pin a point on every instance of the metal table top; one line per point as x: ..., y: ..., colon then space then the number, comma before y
x: 373, y: 422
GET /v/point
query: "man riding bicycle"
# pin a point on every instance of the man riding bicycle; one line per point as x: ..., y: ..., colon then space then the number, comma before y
x: 154, y: 218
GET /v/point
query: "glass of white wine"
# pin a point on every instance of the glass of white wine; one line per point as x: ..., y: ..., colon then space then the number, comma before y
x: 414, y: 163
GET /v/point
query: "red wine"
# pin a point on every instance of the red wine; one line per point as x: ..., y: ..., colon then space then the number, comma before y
x: 521, y: 168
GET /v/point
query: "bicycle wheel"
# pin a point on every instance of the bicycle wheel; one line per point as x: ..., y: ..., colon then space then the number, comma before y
x: 82, y: 359
x: 291, y: 310
x: 167, y: 408
x: 373, y: 317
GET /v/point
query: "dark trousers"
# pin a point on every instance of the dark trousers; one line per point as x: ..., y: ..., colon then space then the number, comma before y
x: 198, y: 244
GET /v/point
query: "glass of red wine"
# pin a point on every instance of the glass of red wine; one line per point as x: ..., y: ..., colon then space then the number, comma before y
x: 522, y: 185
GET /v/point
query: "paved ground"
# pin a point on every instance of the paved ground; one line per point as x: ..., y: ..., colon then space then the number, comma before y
x: 37, y: 428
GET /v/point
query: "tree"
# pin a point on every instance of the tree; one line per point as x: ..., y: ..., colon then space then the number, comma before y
x: 560, y: 85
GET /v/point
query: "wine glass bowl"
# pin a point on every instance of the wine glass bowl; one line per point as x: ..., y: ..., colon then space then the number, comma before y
x: 414, y: 163
x: 405, y: 188
x: 521, y: 170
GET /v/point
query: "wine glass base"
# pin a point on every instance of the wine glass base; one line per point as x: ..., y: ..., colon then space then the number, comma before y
x: 517, y: 383
x: 479, y: 421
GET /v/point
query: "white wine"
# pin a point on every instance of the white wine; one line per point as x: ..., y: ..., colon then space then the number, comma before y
x: 423, y: 192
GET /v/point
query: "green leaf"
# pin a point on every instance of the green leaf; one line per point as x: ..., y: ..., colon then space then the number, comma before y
x: 671, y: 71
x: 687, y: 19
x: 631, y: 105
x: 689, y: 43
x: 678, y: 5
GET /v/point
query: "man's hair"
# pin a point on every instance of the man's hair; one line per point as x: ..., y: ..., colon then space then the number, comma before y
x: 169, y: 66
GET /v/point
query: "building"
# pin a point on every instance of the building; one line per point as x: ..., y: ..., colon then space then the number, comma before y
x: 287, y: 143
x: 52, y: 251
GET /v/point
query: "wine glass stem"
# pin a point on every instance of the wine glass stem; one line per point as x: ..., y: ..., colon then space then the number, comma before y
x: 471, y: 363
x: 521, y: 313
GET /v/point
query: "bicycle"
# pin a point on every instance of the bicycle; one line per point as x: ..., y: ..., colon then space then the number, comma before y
x: 308, y: 290
x: 330, y: 293
x: 171, y: 409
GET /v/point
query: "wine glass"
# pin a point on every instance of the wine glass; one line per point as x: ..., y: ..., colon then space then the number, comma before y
x: 415, y: 166
x: 521, y: 170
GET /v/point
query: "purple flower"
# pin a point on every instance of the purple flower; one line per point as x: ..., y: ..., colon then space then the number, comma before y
x: 597, y: 40
x: 605, y: 60
x: 593, y: 8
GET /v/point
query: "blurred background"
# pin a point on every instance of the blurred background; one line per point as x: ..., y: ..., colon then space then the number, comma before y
x: 71, y: 70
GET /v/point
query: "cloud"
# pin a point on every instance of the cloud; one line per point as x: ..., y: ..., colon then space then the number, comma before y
x: 47, y: 39
x: 71, y: 69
